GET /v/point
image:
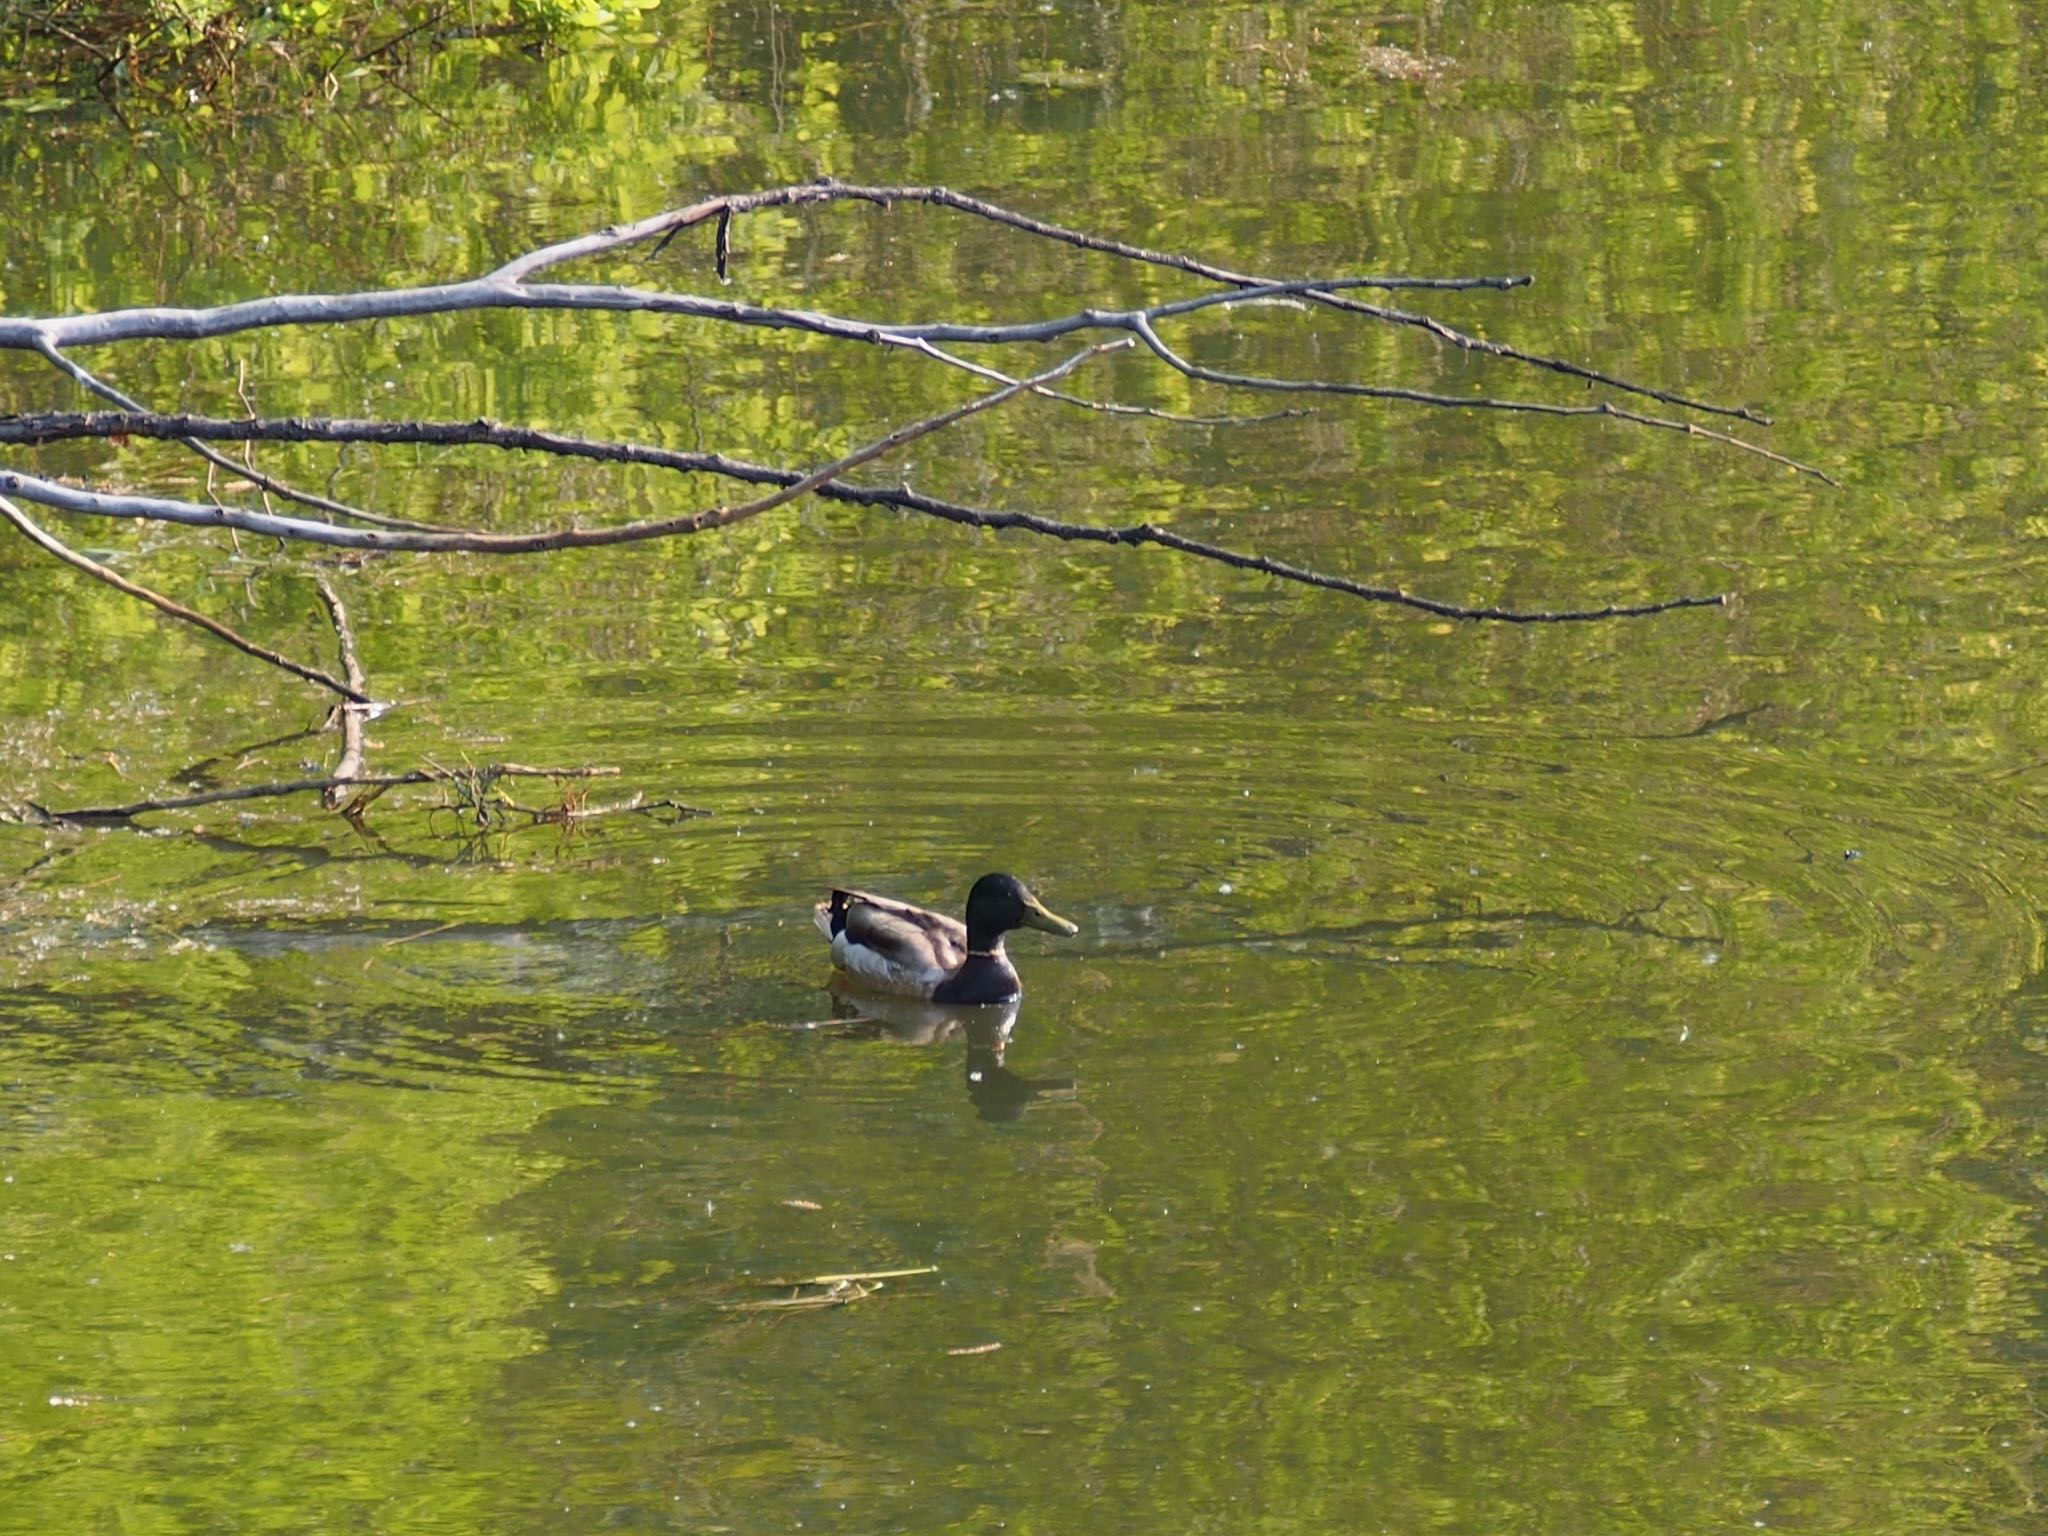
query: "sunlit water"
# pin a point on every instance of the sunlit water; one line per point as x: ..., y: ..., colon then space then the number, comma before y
x: 1507, y: 1080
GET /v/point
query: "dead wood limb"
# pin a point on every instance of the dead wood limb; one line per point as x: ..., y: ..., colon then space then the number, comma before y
x: 105, y: 814
x: 48, y: 336
x: 176, y: 610
x: 512, y: 285
x: 34, y: 429
x: 899, y: 497
x: 922, y: 338
x: 344, y: 634
x: 725, y: 208
x: 350, y: 765
x: 193, y: 514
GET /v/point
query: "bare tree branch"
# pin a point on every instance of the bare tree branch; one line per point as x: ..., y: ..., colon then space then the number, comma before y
x: 506, y: 288
x: 1140, y: 321
x: 39, y: 428
x: 193, y: 514
x: 512, y: 285
x: 176, y: 610
x: 725, y: 208
x: 515, y: 285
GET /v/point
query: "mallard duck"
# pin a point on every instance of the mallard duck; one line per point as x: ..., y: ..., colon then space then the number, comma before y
x: 892, y: 946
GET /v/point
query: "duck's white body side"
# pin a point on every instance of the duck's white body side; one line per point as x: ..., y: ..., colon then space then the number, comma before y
x: 891, y: 945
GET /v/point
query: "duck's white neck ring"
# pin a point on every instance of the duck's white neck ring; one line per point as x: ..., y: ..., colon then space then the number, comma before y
x: 987, y: 954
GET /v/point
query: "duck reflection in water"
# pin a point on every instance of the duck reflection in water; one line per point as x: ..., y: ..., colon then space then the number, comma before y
x: 997, y: 1092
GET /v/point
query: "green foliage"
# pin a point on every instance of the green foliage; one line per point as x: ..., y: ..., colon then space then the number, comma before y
x: 552, y: 20
x: 189, y: 53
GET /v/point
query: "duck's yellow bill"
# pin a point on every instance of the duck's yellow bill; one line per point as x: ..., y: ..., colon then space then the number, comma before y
x: 1038, y: 915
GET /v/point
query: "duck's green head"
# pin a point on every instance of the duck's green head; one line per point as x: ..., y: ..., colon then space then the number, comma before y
x: 999, y: 903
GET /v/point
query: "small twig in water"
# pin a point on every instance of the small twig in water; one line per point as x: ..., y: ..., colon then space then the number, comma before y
x: 824, y: 1290
x: 104, y: 814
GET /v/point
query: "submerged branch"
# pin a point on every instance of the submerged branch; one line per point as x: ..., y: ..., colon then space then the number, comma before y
x: 101, y: 815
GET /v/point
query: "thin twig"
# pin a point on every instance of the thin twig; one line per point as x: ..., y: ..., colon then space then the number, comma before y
x: 1108, y: 407
x: 825, y: 190
x: 1694, y: 429
x: 1141, y: 324
x: 1166, y: 538
x: 176, y: 610
x: 724, y: 209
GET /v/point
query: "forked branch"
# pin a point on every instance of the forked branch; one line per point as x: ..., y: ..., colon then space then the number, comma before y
x: 516, y: 284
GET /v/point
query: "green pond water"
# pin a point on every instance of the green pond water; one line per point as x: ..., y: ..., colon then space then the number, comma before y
x: 1563, y: 1079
